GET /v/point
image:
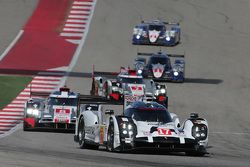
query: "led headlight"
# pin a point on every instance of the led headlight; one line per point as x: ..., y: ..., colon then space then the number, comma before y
x: 163, y: 91
x: 130, y: 126
x: 139, y: 71
x: 138, y: 36
x: 199, y: 132
x: 34, y: 112
x: 176, y: 73
x: 167, y: 38
x: 125, y: 132
x: 124, y: 126
x: 115, y: 89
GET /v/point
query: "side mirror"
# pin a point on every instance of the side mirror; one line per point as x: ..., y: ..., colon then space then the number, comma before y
x: 109, y: 112
x: 151, y: 82
x: 194, y: 115
x: 100, y: 80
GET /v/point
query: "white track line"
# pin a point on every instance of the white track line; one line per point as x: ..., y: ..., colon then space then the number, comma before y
x: 11, y: 44
x: 75, y: 25
x: 82, y: 3
x: 229, y: 133
x: 74, y: 41
x: 44, y: 82
x: 80, y: 46
x: 74, y: 29
x: 79, y: 12
x: 81, y: 7
x: 78, y: 16
x: 72, y: 34
x: 75, y: 21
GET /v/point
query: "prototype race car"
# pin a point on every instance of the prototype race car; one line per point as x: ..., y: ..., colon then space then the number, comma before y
x: 157, y: 33
x: 129, y: 82
x: 57, y: 111
x: 160, y: 68
x: 143, y: 125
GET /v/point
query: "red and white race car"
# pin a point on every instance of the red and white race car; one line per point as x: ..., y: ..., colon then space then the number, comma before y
x: 57, y: 111
x: 129, y: 82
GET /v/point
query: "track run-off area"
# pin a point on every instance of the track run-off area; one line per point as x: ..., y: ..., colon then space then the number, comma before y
x: 58, y: 35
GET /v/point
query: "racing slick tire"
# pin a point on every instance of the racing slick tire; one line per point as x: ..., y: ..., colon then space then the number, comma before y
x: 25, y: 128
x: 201, y: 151
x: 81, y: 133
x: 110, y: 137
x: 105, y: 90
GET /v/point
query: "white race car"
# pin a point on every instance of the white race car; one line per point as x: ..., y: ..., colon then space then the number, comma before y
x: 143, y: 125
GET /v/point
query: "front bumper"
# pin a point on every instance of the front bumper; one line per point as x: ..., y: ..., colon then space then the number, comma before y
x: 160, y: 42
x: 171, y: 144
x: 39, y: 124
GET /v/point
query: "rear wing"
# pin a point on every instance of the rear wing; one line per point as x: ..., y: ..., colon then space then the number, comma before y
x: 172, y: 23
x: 41, y: 94
x: 159, y: 53
x: 89, y: 99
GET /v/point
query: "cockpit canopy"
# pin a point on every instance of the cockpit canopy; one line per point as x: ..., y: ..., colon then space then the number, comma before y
x: 148, y: 112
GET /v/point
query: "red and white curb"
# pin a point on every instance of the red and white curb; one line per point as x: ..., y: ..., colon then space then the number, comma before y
x: 12, y: 114
x: 77, y: 21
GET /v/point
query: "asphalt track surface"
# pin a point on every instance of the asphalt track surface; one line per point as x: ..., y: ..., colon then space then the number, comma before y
x: 215, y: 40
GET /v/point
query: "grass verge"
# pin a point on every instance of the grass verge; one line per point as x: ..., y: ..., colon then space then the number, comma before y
x: 10, y: 87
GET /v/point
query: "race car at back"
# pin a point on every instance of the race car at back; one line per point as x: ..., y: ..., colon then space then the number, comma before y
x: 57, y: 111
x: 161, y: 66
x: 156, y: 32
x: 129, y: 82
x: 143, y: 125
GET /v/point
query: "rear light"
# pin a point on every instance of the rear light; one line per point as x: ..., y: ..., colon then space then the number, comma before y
x: 161, y: 98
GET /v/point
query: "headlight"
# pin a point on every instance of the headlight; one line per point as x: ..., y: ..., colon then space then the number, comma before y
x: 168, y: 38
x: 125, y: 132
x: 138, y: 36
x: 176, y: 73
x: 34, y: 112
x: 130, y: 133
x: 130, y: 126
x: 163, y: 91
x: 124, y: 126
x: 199, y: 131
x: 115, y: 89
x: 139, y: 71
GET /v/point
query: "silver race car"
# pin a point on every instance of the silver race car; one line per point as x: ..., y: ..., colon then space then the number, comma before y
x: 142, y: 125
x: 129, y: 82
x: 57, y: 111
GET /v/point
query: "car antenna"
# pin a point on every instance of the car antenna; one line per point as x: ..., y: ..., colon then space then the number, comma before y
x: 142, y: 21
x: 160, y: 51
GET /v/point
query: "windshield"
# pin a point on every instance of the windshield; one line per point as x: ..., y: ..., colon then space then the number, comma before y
x: 156, y: 27
x: 161, y: 60
x: 35, y: 105
x: 130, y: 80
x: 63, y: 101
x: 149, y: 115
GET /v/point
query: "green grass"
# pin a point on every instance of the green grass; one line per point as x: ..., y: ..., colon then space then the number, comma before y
x: 10, y: 87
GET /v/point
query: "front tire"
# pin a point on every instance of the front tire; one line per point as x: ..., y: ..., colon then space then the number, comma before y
x: 110, y: 138
x: 81, y: 133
